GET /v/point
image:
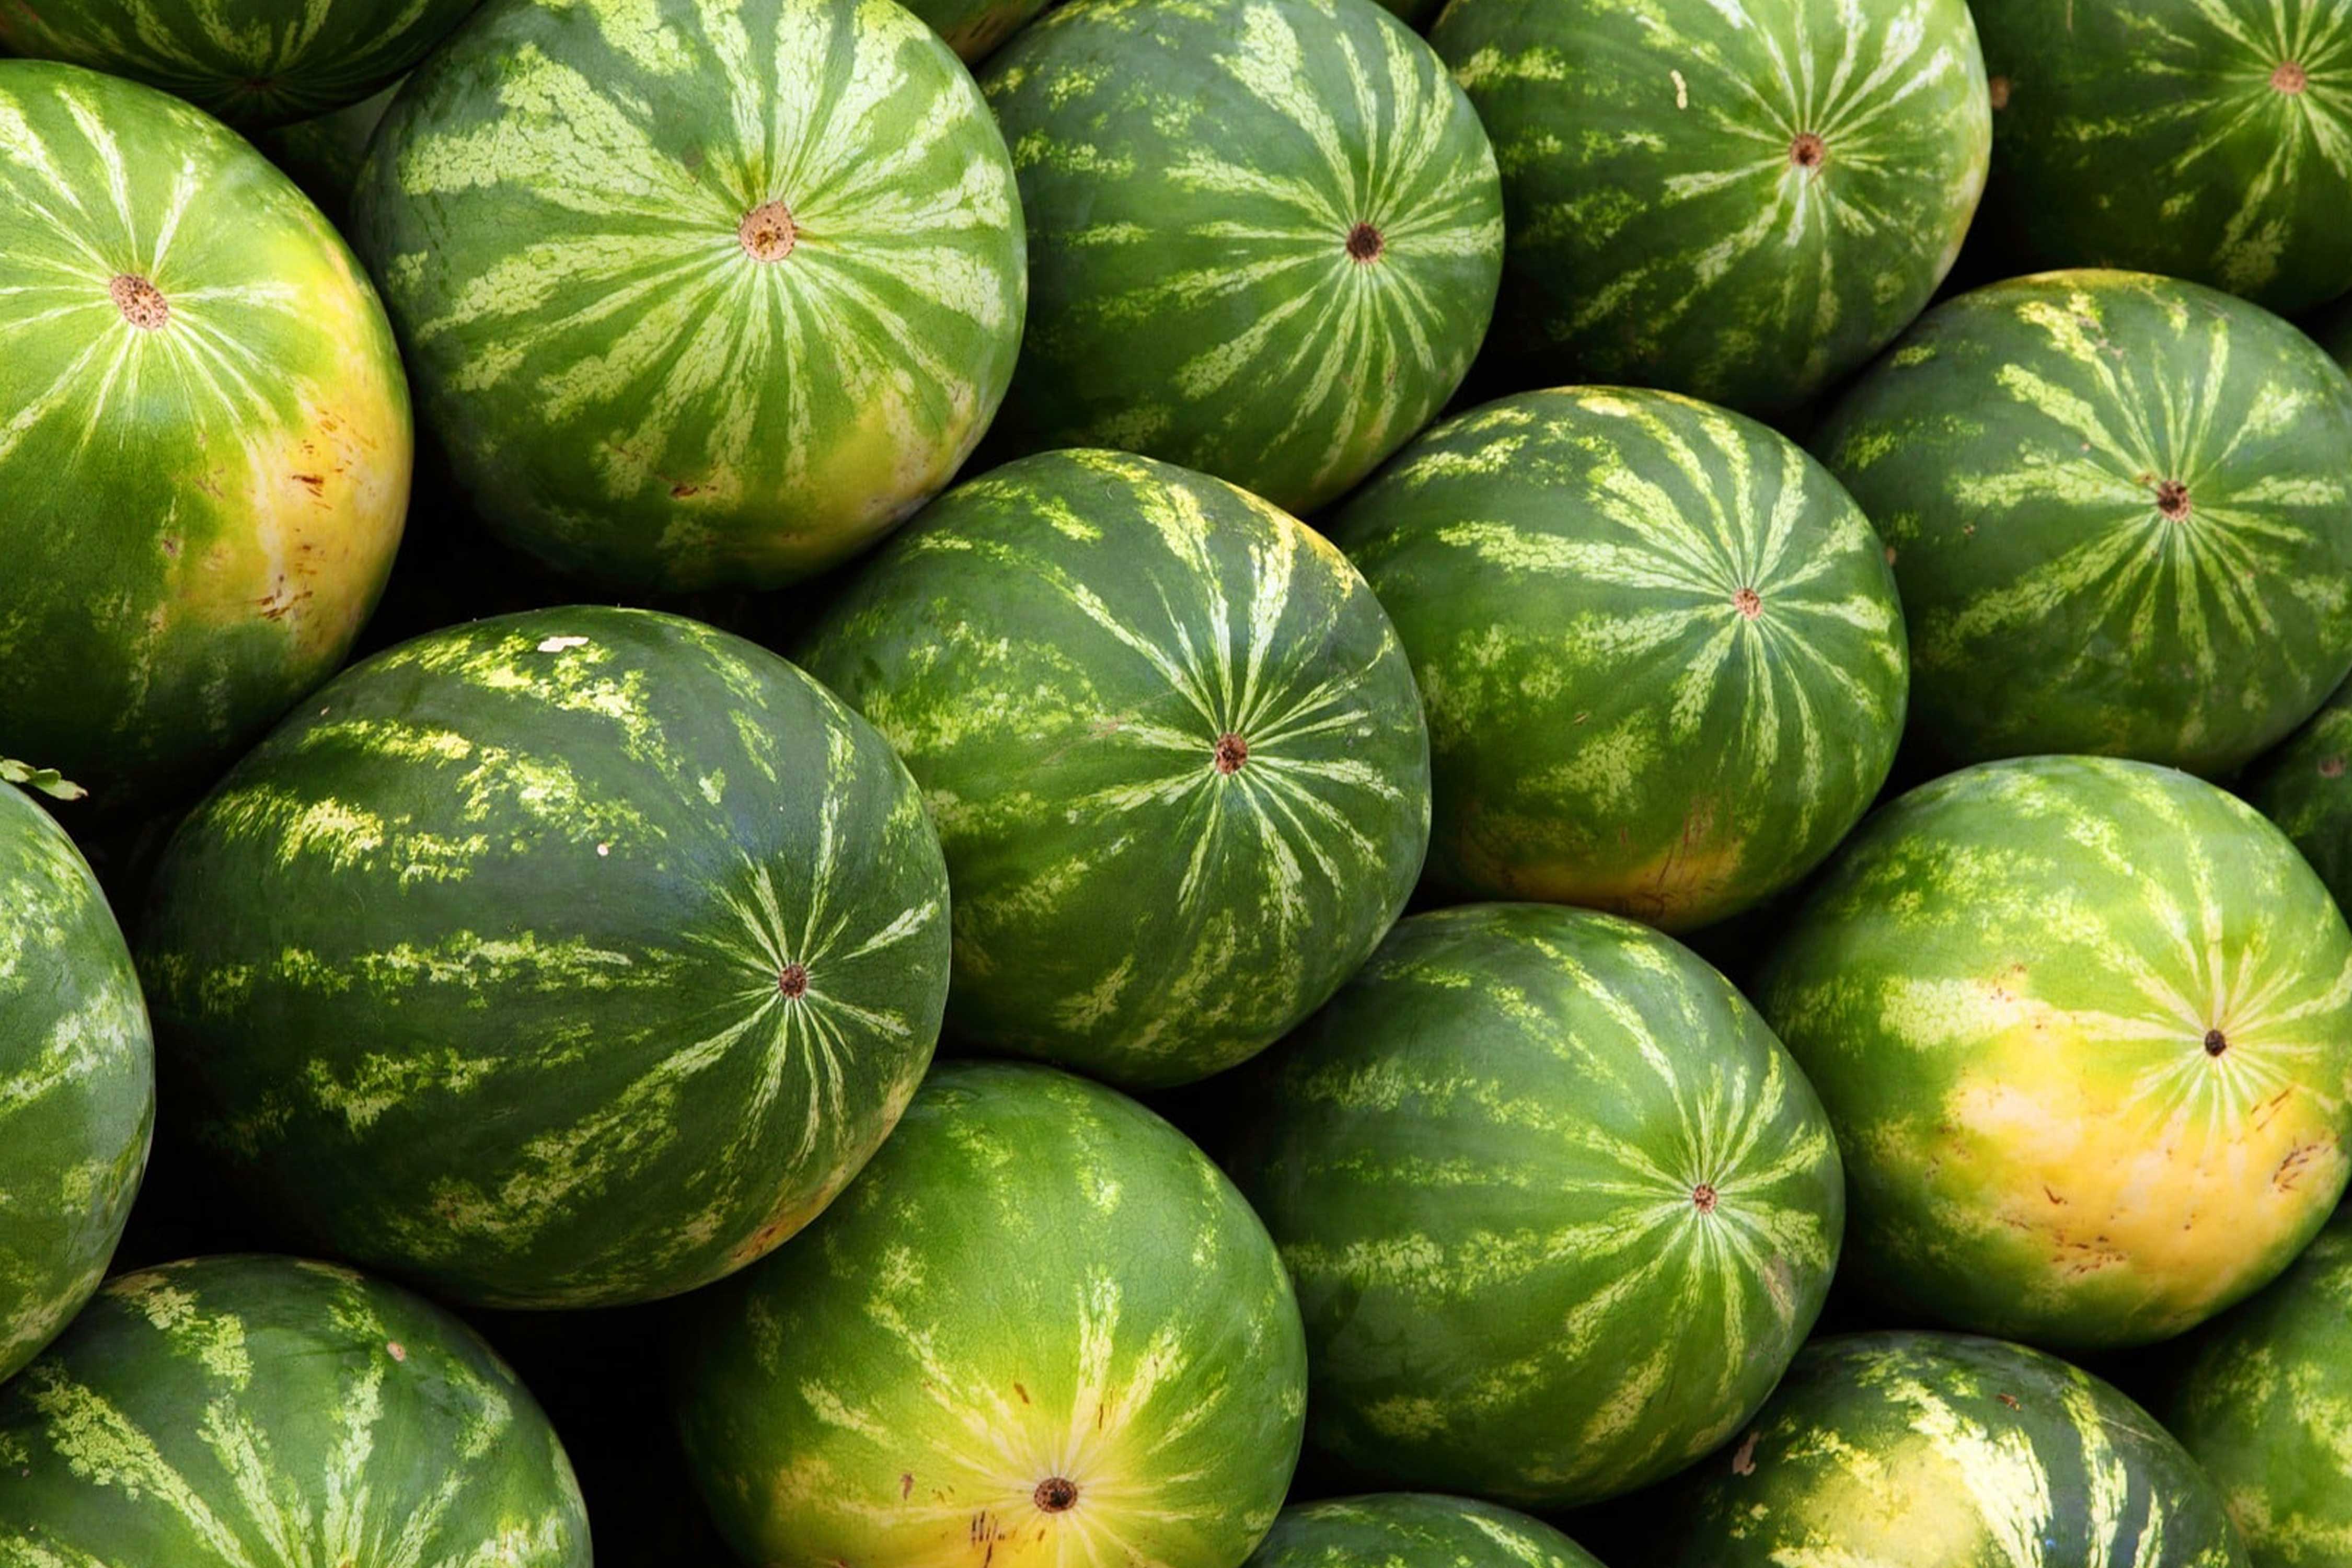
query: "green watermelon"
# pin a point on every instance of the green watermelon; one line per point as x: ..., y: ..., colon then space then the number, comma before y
x: 2119, y: 512
x: 2202, y: 139
x: 1040, y: 1330
x: 2084, y: 1028
x: 2263, y: 1399
x: 1172, y: 747
x: 1411, y: 1530
x: 1660, y: 647
x: 240, y: 1411
x: 974, y: 28
x: 2301, y: 785
x: 564, y: 959
x: 323, y: 155
x: 697, y: 297
x: 77, y: 1082
x: 1739, y: 199
x: 204, y: 443
x: 1943, y: 1450
x: 1558, y: 1207
x: 1265, y: 236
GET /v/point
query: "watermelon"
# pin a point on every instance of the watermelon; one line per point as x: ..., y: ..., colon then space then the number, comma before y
x: 1950, y: 1450
x: 2259, y: 1399
x: 1742, y: 201
x: 1415, y: 1528
x: 697, y: 297
x: 564, y: 959
x: 1041, y: 1327
x: 1172, y: 747
x: 205, y: 456
x: 2301, y: 786
x: 233, y: 1411
x: 323, y: 154
x: 975, y: 28
x: 2083, y: 1028
x: 254, y: 63
x: 1660, y: 646
x: 1265, y: 236
x: 2119, y: 514
x: 1558, y: 1207
x: 2202, y: 139
x: 76, y: 1080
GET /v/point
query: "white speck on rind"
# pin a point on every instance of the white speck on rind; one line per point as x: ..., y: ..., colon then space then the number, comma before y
x: 557, y: 645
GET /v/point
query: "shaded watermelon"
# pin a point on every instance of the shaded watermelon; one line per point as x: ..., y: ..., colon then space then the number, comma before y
x: 2119, y: 516
x: 2302, y: 786
x: 1739, y: 201
x: 697, y: 297
x: 205, y: 456
x: 1265, y: 236
x: 2083, y: 1028
x: 323, y: 155
x: 1416, y: 1529
x: 1660, y: 647
x: 568, y: 958
x: 229, y: 1412
x: 1172, y: 746
x: 1558, y: 1206
x: 1041, y: 1328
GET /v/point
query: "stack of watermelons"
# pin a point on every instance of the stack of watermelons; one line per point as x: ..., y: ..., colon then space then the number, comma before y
x: 1185, y: 783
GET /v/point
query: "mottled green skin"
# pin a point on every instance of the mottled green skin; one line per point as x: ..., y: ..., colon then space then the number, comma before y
x: 482, y: 968
x: 2263, y: 1399
x: 253, y: 63
x: 76, y: 1080
x: 1036, y: 1280
x: 1193, y: 172
x: 638, y: 383
x: 196, y: 515
x: 2209, y: 139
x: 239, y: 1411
x: 1413, y: 1529
x: 1558, y: 1207
x: 2302, y: 786
x: 2013, y: 451
x: 975, y: 28
x: 323, y: 155
x: 1944, y: 1452
x: 1665, y: 229
x: 1660, y: 648
x: 2085, y: 1030
x: 1057, y: 650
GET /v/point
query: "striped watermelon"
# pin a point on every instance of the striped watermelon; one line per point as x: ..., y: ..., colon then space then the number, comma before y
x: 2084, y: 1028
x: 1739, y: 199
x: 2119, y: 515
x: 1413, y: 1529
x: 234, y: 1412
x: 2261, y: 1401
x: 564, y: 959
x: 77, y: 1082
x: 1947, y: 1451
x: 1660, y: 646
x: 1558, y: 1207
x: 1041, y: 1329
x: 697, y: 295
x: 1172, y: 746
x: 2303, y: 787
x: 2201, y: 139
x: 254, y: 63
x: 1265, y: 236
x: 204, y: 443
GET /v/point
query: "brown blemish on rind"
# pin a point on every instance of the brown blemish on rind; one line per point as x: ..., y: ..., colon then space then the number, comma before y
x: 2331, y: 767
x: 140, y: 301
x: 1808, y: 150
x: 2172, y: 499
x: 1055, y: 1494
x: 1231, y: 754
x: 1748, y: 603
x: 793, y: 981
x: 1365, y: 244
x: 767, y: 233
x: 1743, y: 1459
x: 1997, y: 89
x: 2290, y: 77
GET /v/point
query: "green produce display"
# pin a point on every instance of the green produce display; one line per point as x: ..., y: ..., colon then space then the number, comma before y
x: 2301, y: 786
x: 564, y: 959
x: 1416, y: 1529
x: 1660, y: 648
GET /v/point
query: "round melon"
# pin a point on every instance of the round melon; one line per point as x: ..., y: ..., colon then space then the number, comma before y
x: 1172, y: 746
x: 77, y: 1082
x: 2302, y: 786
x: 1660, y: 647
x: 2083, y: 1028
x: 1944, y: 1450
x: 1558, y: 1207
x: 2260, y: 1399
x: 204, y: 450
x: 1743, y: 202
x: 559, y: 960
x: 1041, y: 1328
x: 1265, y: 236
x: 1393, y: 1529
x: 697, y: 297
x: 227, y: 1412
x: 2209, y: 139
x: 2119, y: 516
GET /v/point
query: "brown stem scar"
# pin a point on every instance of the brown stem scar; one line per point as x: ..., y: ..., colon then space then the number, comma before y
x: 1703, y: 1197
x: 1054, y: 1494
x: 1365, y: 244
x: 1808, y: 150
x: 2290, y: 77
x: 140, y: 301
x: 1231, y: 754
x: 1748, y: 603
x: 793, y: 981
x: 2216, y: 1042
x: 767, y: 233
x: 2172, y: 499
